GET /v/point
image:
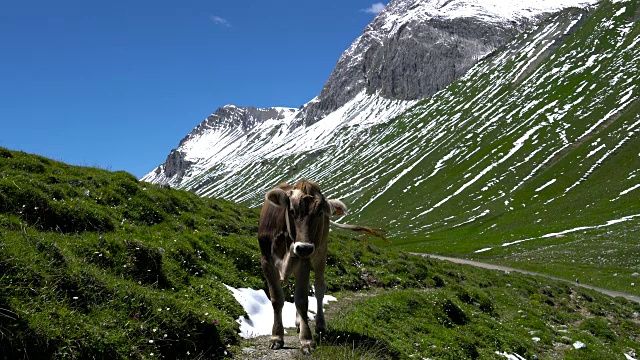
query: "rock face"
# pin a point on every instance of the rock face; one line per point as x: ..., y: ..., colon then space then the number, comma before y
x: 423, y: 59
x: 175, y: 165
x: 413, y: 62
x: 415, y: 48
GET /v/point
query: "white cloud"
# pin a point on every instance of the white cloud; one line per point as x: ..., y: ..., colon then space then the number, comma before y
x: 220, y: 21
x: 375, y: 8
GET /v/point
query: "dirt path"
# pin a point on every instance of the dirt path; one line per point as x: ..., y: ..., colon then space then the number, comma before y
x: 258, y: 348
x: 510, y: 269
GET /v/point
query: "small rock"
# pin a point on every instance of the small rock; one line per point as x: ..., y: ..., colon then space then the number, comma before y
x: 579, y: 345
x: 536, y: 339
x: 635, y: 274
x: 248, y: 350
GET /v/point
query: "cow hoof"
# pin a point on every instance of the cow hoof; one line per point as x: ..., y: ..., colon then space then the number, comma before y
x: 306, y: 350
x: 277, y: 345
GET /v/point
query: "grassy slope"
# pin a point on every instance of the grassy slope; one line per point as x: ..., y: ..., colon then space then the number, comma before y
x: 469, y: 313
x: 502, y: 102
x: 96, y: 264
x: 588, y: 182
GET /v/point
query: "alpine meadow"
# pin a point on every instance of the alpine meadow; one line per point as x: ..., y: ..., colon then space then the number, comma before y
x: 504, y: 137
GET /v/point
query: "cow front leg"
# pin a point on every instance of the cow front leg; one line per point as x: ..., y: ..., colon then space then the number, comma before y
x: 277, y: 331
x: 277, y: 301
x: 301, y: 299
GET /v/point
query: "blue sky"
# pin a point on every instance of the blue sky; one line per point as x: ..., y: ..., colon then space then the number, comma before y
x: 117, y: 84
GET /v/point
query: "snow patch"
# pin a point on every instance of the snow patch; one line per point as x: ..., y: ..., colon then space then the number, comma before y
x: 580, y: 228
x: 510, y: 356
x: 545, y: 185
x: 579, y: 345
x: 260, y: 312
x: 625, y: 192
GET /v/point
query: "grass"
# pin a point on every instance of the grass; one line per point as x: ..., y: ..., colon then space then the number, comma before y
x: 475, y: 313
x: 95, y: 264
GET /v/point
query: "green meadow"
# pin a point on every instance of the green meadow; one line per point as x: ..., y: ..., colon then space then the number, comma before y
x: 95, y: 264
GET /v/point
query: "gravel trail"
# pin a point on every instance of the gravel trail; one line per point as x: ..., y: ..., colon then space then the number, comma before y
x: 510, y: 269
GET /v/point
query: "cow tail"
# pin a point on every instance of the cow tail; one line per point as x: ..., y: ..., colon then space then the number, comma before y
x: 362, y: 229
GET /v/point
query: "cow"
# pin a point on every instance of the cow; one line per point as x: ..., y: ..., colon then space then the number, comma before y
x: 292, y: 232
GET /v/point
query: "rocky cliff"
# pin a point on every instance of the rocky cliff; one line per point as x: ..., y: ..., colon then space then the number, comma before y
x: 415, y: 48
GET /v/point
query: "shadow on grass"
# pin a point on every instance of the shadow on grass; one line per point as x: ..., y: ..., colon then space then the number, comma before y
x: 347, y: 345
x: 12, y: 343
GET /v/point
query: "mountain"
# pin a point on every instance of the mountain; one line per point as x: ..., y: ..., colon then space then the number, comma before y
x: 410, y: 51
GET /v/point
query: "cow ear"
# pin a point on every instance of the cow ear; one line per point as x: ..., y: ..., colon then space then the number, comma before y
x: 337, y: 207
x: 277, y: 197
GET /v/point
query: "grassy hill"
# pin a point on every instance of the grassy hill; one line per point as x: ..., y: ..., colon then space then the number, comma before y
x: 95, y: 264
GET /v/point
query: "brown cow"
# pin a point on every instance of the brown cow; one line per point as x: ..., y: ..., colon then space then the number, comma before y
x: 292, y: 231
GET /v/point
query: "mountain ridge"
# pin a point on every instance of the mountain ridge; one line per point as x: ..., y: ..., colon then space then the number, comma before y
x: 384, y: 62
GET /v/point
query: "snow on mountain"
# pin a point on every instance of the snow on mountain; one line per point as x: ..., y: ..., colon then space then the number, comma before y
x: 219, y: 136
x: 226, y: 148
x: 400, y: 13
x: 496, y: 11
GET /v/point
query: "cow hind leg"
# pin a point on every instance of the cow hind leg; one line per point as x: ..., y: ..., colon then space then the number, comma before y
x: 301, y: 299
x: 320, y: 288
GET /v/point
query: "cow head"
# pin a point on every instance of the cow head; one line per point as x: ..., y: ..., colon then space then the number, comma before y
x: 306, y: 214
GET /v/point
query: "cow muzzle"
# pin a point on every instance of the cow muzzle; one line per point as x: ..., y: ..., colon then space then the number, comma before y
x: 303, y: 250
